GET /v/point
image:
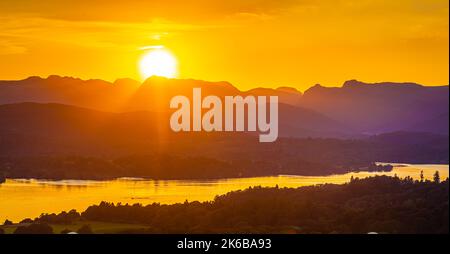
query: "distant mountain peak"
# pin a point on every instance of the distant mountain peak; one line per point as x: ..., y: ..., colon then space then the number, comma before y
x: 33, y: 78
x: 317, y: 86
x: 64, y: 78
x: 353, y: 83
x: 287, y: 89
x: 155, y: 78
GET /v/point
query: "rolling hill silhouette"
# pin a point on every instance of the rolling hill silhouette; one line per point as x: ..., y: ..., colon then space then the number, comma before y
x: 72, y: 123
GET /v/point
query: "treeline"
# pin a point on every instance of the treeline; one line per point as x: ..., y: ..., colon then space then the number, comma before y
x: 147, y: 166
x: 377, y: 204
x: 163, y: 166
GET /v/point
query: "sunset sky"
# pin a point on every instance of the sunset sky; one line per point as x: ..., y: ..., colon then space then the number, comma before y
x: 250, y: 43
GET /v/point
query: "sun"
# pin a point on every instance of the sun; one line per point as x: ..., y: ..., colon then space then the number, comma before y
x: 158, y: 62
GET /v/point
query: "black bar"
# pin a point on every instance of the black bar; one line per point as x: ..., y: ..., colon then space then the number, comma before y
x: 171, y: 243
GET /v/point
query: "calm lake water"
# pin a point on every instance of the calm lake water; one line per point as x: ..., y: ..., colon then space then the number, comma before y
x: 23, y: 198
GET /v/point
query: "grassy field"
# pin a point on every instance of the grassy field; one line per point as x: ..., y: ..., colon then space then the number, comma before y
x: 96, y: 226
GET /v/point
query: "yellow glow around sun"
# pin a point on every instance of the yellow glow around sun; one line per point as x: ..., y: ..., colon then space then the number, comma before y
x: 158, y: 62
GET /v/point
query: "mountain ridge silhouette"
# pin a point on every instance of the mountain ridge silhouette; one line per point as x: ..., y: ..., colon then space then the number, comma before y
x: 364, y: 108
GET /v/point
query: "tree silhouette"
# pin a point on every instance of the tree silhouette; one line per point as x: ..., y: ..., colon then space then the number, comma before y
x: 85, y: 229
x: 2, y: 177
x: 436, y: 177
x: 38, y: 228
x: 7, y: 223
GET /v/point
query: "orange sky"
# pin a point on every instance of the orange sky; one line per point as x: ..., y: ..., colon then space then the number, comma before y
x: 250, y: 43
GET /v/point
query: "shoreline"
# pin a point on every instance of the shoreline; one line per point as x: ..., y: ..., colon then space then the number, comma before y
x: 385, y: 167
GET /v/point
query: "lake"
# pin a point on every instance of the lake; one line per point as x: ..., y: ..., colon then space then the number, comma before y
x: 28, y: 198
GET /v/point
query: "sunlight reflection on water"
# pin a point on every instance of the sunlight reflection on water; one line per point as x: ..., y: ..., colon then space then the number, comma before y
x: 21, y: 198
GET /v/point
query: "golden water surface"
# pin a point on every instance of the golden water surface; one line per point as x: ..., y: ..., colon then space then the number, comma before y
x: 20, y: 198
